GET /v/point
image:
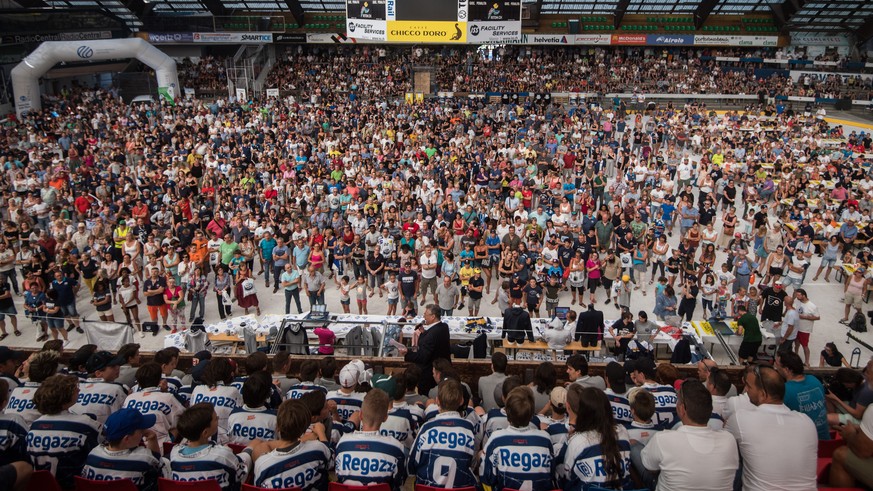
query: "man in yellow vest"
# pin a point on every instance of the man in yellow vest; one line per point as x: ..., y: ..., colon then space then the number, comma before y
x: 119, y: 235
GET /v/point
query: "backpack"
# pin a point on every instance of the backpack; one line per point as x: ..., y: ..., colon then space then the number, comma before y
x: 858, y: 323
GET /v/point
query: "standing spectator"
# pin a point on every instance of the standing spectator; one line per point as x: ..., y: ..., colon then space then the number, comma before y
x: 516, y: 324
x: 428, y: 263
x: 246, y: 291
x: 762, y: 434
x: 314, y: 283
x: 290, y: 282
x: 281, y: 257
x: 447, y: 295
x: 748, y: 327
x: 7, y: 307
x: 221, y: 286
x: 128, y: 299
x: 175, y: 302
x: 788, y: 327
x: 154, y: 289
x: 198, y: 287
x: 808, y: 314
x: 102, y: 301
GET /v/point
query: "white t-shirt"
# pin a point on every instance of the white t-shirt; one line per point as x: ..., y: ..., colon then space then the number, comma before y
x: 791, y: 318
x: 867, y: 424
x: 763, y: 435
x: 808, y: 308
x: 680, y: 455
x: 428, y: 261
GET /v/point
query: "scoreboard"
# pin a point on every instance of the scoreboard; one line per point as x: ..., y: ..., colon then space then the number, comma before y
x: 435, y: 21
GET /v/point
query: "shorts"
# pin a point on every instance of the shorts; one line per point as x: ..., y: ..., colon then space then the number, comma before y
x: 776, y: 271
x: 7, y: 311
x: 593, y: 284
x: 155, y: 309
x: 474, y: 303
x: 54, y: 323
x: 803, y: 339
x: 789, y: 281
x: 853, y: 299
x: 828, y: 262
x: 393, y: 301
x: 68, y: 310
x: 749, y: 349
x: 860, y: 469
x: 347, y: 301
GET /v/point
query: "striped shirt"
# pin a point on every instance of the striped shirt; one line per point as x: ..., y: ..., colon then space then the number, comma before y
x: 138, y: 464
x: 367, y: 457
x: 210, y: 462
x: 60, y: 444
x: 443, y: 452
x: 303, y: 466
x: 518, y: 458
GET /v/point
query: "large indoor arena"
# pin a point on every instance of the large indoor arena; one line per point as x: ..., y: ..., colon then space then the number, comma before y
x: 406, y: 245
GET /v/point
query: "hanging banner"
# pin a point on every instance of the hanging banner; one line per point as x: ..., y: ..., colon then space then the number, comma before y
x: 241, y: 95
x: 289, y: 37
x: 722, y: 40
x: 171, y: 37
x: 167, y: 94
x: 61, y: 36
x: 799, y: 75
x: 494, y: 32
x: 366, y: 29
x: 813, y: 39
x: 546, y: 39
x: 592, y: 39
x: 272, y: 92
x: 404, y: 31
x: 669, y: 40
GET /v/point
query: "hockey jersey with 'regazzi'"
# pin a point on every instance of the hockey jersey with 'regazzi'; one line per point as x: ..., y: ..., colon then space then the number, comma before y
x: 443, y: 452
x: 303, y: 466
x: 246, y: 424
x: 518, y: 458
x: 210, y: 462
x: 138, y: 464
x: 60, y: 443
x: 364, y: 458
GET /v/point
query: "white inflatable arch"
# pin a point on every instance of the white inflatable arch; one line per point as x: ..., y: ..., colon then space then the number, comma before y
x: 25, y: 76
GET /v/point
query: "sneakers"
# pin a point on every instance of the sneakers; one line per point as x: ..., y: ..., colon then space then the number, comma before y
x: 79, y: 330
x: 141, y: 334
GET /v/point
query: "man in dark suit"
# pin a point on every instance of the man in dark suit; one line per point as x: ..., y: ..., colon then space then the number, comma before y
x: 589, y: 327
x: 431, y: 341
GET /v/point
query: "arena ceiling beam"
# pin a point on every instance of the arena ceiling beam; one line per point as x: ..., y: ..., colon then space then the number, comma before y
x: 32, y: 4
x: 140, y: 8
x: 704, y: 8
x: 865, y: 32
x: 216, y: 7
x: 620, y: 10
x: 784, y: 11
x: 297, y: 11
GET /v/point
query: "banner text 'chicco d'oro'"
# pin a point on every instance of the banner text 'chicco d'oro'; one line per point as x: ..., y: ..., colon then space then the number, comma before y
x: 427, y: 31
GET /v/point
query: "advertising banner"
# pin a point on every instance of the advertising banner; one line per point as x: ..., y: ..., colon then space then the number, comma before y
x: 723, y: 40
x: 289, y: 37
x: 546, y: 39
x: 366, y: 29
x: 629, y: 40
x: 494, y: 32
x: 61, y: 36
x: 402, y: 31
x: 592, y: 39
x: 171, y: 37
x: 233, y: 37
x: 272, y: 92
x: 799, y: 75
x: 669, y: 39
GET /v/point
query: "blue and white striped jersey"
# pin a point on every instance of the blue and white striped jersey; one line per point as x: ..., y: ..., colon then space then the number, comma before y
x: 13, y: 438
x: 304, y: 466
x: 518, y: 458
x: 346, y: 404
x: 164, y: 405
x: 583, y: 464
x: 402, y: 423
x: 21, y: 403
x: 99, y: 399
x: 174, y: 384
x: 60, y: 443
x: 138, y: 464
x: 495, y: 419
x: 210, y: 462
x: 275, y: 396
x: 297, y: 391
x: 224, y: 399
x: 12, y: 381
x: 367, y: 457
x: 470, y: 415
x: 443, y: 452
x: 247, y: 424
x: 665, y: 404
x: 558, y: 434
x: 620, y: 407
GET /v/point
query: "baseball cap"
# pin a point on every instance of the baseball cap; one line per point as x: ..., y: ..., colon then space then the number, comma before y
x: 348, y: 376
x: 477, y: 271
x: 384, y: 382
x: 125, y: 421
x: 558, y: 397
x: 102, y: 359
x: 7, y: 354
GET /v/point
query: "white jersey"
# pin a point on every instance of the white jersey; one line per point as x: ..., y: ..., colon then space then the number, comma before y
x: 210, y: 462
x: 60, y: 444
x: 246, y: 424
x: 164, y: 405
x: 297, y: 391
x: 496, y: 420
x: 346, y: 404
x: 99, y: 399
x: 402, y: 423
x: 518, y: 458
x: 224, y: 399
x: 443, y: 452
x: 367, y: 457
x: 21, y: 403
x: 138, y: 464
x: 470, y: 415
x: 303, y: 466
x: 13, y: 436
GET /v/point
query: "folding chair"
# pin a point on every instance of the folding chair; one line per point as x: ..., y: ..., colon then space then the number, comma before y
x: 170, y: 485
x: 83, y: 484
